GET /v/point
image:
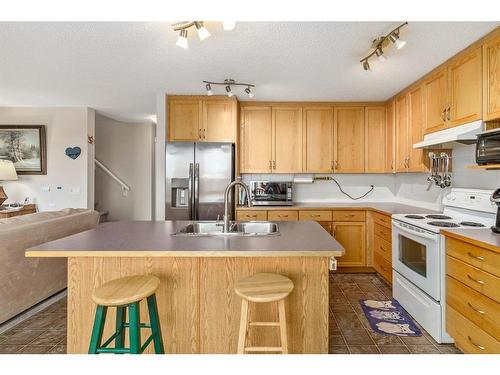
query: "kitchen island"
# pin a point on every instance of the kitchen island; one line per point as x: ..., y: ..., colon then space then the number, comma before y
x: 199, y: 310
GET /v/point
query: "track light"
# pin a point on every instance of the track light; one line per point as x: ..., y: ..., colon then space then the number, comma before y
x: 202, y: 30
x: 249, y: 92
x: 209, y: 89
x: 228, y: 25
x: 229, y: 92
x: 182, y: 39
x: 394, y: 38
x: 380, y: 54
x: 381, y: 43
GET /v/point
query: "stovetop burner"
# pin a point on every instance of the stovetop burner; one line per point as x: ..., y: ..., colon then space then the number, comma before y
x: 471, y: 224
x: 414, y: 217
x: 438, y: 217
x: 443, y: 224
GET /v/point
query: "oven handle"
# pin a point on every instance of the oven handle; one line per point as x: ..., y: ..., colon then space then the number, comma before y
x: 420, y: 234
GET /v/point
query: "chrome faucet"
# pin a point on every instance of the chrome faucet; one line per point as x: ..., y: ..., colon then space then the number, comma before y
x: 226, y: 219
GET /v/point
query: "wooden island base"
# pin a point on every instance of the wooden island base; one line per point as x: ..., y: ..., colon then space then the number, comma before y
x: 199, y: 310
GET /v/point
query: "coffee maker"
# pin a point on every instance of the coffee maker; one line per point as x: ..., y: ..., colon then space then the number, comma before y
x: 495, y: 197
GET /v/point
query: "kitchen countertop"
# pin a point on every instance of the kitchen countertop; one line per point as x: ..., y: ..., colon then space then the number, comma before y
x: 154, y: 239
x: 480, y: 237
x: 386, y: 208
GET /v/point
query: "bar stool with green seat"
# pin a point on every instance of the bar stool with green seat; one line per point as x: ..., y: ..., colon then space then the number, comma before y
x: 126, y: 293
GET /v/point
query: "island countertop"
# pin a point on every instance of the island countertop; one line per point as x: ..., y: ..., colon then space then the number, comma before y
x: 155, y: 239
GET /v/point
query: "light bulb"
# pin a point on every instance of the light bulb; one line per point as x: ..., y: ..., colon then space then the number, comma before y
x: 228, y: 25
x: 202, y: 30
x: 229, y: 92
x: 209, y: 89
x: 380, y: 54
x: 366, y: 65
x: 249, y: 92
x: 400, y: 43
x: 182, y: 39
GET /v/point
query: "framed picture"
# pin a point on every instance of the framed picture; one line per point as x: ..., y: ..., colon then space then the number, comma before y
x: 25, y: 146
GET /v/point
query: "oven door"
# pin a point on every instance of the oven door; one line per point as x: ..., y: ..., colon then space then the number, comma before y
x: 415, y: 255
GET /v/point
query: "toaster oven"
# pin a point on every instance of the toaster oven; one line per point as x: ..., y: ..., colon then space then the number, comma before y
x: 488, y: 147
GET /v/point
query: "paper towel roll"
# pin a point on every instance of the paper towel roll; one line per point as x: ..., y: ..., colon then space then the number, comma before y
x: 303, y: 179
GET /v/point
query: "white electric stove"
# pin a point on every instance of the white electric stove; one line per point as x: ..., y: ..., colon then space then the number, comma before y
x: 418, y: 254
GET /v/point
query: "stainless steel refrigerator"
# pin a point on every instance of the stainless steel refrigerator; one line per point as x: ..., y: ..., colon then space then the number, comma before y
x: 197, y: 175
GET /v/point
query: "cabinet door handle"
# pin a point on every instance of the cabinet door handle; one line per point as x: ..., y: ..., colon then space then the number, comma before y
x: 199, y: 133
x: 333, y: 165
x: 475, y: 256
x: 270, y: 164
x: 473, y: 343
x: 448, y: 112
x: 336, y: 164
x: 480, y: 282
x: 274, y: 164
x: 204, y: 134
x: 443, y: 116
x: 475, y: 309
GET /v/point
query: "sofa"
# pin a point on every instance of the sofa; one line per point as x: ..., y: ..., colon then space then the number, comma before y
x: 24, y: 282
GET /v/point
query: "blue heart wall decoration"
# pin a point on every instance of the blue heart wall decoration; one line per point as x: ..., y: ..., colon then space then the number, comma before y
x: 73, y: 152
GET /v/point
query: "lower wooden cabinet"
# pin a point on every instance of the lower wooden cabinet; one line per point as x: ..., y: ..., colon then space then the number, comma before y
x: 352, y: 236
x: 472, y: 297
x: 251, y: 215
x: 382, y: 245
x: 284, y: 215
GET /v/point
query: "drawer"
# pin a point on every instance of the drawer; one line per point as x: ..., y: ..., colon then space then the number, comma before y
x: 315, y: 215
x: 483, y: 282
x: 282, y: 215
x: 469, y: 337
x: 383, y: 247
x: 348, y: 215
x: 479, y: 309
x: 383, y: 232
x: 476, y: 256
x: 383, y: 220
x: 326, y: 226
x: 251, y: 215
x: 382, y: 266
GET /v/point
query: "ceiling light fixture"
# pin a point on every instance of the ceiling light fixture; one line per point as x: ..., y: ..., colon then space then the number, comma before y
x: 383, y: 42
x: 202, y: 31
x: 229, y: 83
x: 182, y: 39
x: 228, y: 25
x: 209, y: 89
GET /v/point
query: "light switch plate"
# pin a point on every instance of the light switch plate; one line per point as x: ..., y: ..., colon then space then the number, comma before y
x: 45, y: 189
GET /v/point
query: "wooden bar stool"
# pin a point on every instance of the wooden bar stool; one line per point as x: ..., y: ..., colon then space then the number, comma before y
x: 261, y: 288
x: 126, y: 293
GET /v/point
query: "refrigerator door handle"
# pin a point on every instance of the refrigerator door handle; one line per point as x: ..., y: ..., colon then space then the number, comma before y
x: 196, y: 199
x: 190, y: 192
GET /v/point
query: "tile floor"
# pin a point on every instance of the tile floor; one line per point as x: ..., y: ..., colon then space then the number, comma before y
x: 349, y: 333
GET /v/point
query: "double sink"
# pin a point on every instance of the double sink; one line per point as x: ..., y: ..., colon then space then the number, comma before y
x: 236, y: 228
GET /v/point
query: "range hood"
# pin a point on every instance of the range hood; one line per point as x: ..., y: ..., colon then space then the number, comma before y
x: 463, y: 134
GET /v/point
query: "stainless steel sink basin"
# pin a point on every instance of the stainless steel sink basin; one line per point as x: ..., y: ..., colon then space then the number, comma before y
x: 242, y: 228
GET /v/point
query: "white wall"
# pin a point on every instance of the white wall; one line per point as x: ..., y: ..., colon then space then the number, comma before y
x: 65, y: 127
x: 159, y: 164
x: 127, y: 150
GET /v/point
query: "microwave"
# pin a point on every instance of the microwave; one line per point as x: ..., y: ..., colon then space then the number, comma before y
x: 488, y: 147
x: 270, y: 193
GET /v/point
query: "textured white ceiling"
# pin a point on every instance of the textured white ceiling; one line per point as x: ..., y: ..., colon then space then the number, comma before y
x: 117, y: 68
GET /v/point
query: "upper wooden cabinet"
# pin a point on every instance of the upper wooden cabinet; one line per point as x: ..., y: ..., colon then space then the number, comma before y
x: 287, y: 139
x: 401, y: 125
x: 465, y: 89
x: 349, y: 139
x: 318, y: 139
x: 390, y: 132
x: 415, y: 129
x: 452, y: 95
x: 435, y: 101
x: 201, y: 119
x: 256, y: 140
x: 375, y: 140
x: 409, y: 115
x: 491, y: 79
x: 184, y: 120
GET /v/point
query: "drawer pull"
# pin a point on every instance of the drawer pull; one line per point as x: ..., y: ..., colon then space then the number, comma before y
x: 476, y: 310
x: 475, y: 256
x: 476, y: 345
x: 317, y: 215
x: 480, y: 282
